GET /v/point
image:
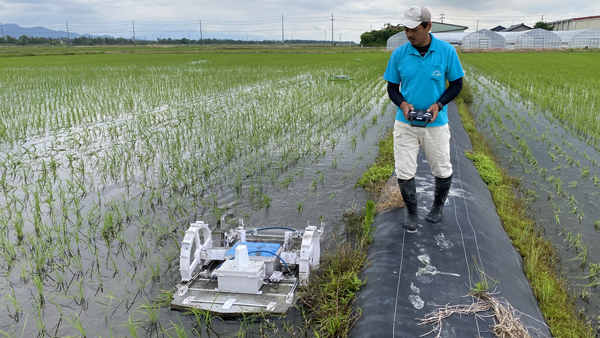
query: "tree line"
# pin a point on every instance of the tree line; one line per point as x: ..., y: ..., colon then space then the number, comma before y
x: 109, y: 41
x: 378, y: 38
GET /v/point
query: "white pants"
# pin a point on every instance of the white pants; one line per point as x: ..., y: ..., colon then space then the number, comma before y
x: 436, y: 145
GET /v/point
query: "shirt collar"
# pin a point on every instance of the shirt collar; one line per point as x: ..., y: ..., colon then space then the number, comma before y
x: 432, y: 46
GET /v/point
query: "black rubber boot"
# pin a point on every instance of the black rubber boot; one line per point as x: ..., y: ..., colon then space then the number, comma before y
x: 442, y: 187
x: 409, y: 195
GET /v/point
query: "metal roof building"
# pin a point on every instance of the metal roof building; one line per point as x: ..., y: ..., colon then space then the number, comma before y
x: 517, y: 28
x: 587, y: 22
x: 483, y: 39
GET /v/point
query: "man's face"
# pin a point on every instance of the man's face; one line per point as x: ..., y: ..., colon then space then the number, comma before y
x: 418, y: 36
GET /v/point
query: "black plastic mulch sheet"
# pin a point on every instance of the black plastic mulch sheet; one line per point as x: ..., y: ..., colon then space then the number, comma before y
x: 414, y: 274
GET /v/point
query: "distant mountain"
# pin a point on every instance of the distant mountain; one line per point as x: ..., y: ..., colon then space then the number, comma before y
x: 16, y: 31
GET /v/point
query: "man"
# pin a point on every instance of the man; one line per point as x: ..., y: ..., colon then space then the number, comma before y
x: 422, y: 67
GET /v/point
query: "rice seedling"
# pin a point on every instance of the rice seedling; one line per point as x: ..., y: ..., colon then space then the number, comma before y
x: 17, y: 308
x: 151, y: 312
x: 76, y: 323
x: 131, y: 328
x: 594, y: 269
x: 596, y: 180
x: 585, y: 172
x: 582, y: 253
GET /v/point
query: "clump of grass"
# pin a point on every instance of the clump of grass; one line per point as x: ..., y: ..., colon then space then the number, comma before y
x: 485, y: 166
x: 331, y: 294
x: 373, y: 177
x: 485, y: 283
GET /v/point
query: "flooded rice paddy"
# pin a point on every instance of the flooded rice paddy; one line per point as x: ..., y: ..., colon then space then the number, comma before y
x: 105, y: 160
x: 559, y: 166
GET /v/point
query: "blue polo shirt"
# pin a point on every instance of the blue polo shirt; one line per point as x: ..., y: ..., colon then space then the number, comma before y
x: 423, y: 79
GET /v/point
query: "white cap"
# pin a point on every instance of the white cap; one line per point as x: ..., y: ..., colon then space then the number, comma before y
x: 415, y: 15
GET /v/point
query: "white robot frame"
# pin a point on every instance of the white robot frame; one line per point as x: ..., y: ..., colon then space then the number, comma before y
x: 251, y: 277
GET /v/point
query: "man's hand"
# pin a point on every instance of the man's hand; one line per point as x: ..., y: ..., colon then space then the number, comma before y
x: 434, y: 109
x: 406, y: 108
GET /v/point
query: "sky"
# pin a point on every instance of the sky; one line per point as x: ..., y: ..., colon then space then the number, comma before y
x: 262, y: 19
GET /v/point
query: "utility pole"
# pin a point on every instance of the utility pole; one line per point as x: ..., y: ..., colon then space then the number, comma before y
x: 542, y: 17
x: 332, y: 20
x: 68, y: 36
x: 477, y: 27
x: 282, y: 35
x: 200, y: 22
x: 340, y: 37
x: 133, y: 28
x: 2, y: 29
x: 442, y: 17
x: 189, y: 38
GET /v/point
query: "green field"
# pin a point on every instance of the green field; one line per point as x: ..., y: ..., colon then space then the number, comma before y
x: 539, y: 112
x: 106, y: 158
x: 45, y: 50
x: 564, y: 84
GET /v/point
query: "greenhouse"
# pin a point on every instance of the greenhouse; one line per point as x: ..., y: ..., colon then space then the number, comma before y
x: 396, y: 41
x: 483, y: 39
x: 582, y: 38
x: 533, y: 39
x: 453, y: 38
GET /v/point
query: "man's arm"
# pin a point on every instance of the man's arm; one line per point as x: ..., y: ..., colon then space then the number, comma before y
x: 451, y: 92
x: 393, y: 90
x: 395, y: 95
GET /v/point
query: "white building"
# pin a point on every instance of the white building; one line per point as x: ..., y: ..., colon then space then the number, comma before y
x: 587, y: 22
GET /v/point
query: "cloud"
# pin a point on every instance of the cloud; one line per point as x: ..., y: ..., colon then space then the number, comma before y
x: 262, y: 18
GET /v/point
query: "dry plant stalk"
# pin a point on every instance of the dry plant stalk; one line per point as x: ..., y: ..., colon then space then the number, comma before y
x: 390, y: 197
x: 508, y: 324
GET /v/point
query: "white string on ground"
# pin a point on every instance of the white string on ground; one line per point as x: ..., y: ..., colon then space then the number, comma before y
x: 399, y: 277
x: 467, y: 210
x: 460, y: 228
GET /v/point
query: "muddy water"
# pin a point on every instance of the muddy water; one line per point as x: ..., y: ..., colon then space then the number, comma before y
x: 109, y: 285
x: 561, y: 174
